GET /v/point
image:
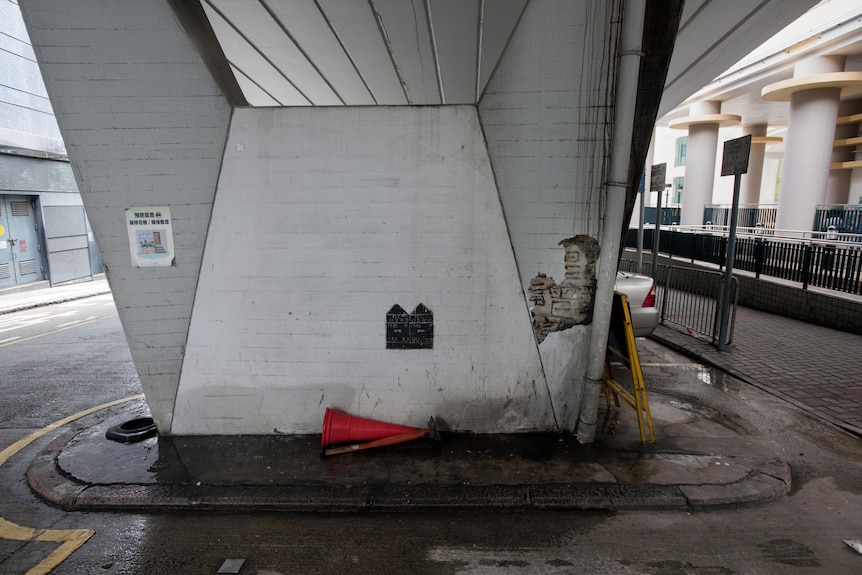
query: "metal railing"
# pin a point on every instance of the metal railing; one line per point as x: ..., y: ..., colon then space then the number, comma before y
x: 829, y: 260
x: 670, y: 215
x: 843, y: 219
x: 749, y: 215
x: 690, y: 299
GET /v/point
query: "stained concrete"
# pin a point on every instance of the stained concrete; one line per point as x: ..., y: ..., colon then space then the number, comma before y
x: 709, y: 452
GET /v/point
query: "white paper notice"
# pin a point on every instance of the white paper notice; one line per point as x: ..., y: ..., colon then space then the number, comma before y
x: 151, y: 239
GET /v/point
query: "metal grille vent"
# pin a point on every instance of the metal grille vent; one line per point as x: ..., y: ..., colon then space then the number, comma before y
x: 28, y: 267
x: 5, y: 272
x: 20, y: 208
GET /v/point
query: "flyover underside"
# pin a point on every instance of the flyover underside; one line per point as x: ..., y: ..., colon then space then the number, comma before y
x: 372, y: 259
x: 326, y: 219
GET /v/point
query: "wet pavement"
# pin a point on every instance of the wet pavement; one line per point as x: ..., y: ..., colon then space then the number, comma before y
x: 708, y: 453
x: 698, y: 462
x: 815, y: 368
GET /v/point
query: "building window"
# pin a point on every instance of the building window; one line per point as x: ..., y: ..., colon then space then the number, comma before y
x: 678, y: 184
x: 681, y: 145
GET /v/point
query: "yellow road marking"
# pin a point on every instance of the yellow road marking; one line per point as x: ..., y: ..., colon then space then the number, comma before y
x: 70, y: 539
x: 58, y: 330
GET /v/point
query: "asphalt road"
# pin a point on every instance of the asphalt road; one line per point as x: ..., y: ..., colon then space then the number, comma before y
x: 56, y: 368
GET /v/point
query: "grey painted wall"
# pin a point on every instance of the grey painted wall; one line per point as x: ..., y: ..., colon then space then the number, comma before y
x: 145, y: 124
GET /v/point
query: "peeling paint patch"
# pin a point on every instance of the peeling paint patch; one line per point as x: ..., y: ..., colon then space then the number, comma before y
x: 560, y: 307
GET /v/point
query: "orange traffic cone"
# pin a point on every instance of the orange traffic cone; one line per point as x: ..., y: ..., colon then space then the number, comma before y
x: 339, y: 427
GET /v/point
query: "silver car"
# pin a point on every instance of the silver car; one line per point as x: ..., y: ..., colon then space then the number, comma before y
x: 640, y: 292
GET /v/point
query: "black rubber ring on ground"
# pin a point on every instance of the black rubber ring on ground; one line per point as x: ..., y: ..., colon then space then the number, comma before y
x: 132, y: 431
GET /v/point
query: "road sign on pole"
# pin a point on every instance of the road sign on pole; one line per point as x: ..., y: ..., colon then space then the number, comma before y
x: 656, y: 184
x: 733, y: 163
x: 657, y: 177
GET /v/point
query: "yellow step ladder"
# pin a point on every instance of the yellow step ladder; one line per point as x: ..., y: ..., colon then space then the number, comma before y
x: 622, y: 347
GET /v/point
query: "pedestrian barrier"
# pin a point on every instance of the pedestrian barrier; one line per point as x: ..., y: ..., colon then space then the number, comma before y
x: 830, y: 259
x: 690, y: 299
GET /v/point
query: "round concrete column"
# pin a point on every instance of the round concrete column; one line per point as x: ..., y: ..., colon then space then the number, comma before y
x: 702, y: 125
x: 814, y: 94
x: 749, y: 190
x: 855, y: 193
x: 845, y: 178
x: 838, y: 184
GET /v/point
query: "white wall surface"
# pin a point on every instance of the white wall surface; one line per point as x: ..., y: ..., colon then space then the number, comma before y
x: 542, y: 114
x: 324, y: 219
x: 144, y: 124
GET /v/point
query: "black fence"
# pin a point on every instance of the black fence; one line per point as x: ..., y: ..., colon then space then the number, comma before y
x: 842, y: 219
x: 670, y: 215
x: 832, y: 266
x: 748, y: 216
x: 690, y: 299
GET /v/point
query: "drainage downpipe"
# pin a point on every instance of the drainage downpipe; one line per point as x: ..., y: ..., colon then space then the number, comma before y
x: 615, y: 201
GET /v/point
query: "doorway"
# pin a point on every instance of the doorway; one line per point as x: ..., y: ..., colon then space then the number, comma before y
x: 20, y: 250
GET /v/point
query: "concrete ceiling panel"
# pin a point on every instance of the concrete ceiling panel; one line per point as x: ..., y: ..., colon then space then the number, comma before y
x: 253, y: 64
x: 406, y: 27
x: 456, y: 32
x: 715, y: 35
x: 357, y: 27
x: 307, y: 24
x: 273, y: 39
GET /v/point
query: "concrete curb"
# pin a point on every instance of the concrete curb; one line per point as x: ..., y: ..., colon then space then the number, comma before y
x: 25, y: 307
x: 48, y: 481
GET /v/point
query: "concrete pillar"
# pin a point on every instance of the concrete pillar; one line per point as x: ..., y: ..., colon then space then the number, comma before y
x: 703, y: 123
x: 749, y: 191
x: 855, y: 193
x: 145, y: 119
x: 851, y: 113
x: 814, y: 93
x: 838, y: 184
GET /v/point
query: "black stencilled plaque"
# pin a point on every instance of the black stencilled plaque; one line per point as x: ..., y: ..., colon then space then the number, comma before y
x: 397, y: 328
x: 409, y: 331
x: 421, y: 328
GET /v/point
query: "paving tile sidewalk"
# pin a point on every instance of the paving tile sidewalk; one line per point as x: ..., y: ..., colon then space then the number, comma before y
x: 815, y: 368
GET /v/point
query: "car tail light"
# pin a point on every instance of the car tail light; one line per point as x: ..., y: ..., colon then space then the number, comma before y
x: 650, y: 298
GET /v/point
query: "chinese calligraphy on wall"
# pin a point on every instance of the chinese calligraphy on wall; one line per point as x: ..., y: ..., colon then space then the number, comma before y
x: 560, y: 307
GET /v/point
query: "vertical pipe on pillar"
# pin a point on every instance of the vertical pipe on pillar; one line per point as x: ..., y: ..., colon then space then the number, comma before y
x: 624, y: 111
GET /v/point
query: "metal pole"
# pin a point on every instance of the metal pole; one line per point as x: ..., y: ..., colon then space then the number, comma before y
x: 641, y: 232
x: 728, y: 269
x: 656, y: 234
x: 625, y: 96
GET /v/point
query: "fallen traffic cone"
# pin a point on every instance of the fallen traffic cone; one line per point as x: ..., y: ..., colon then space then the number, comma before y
x: 430, y: 432
x: 340, y: 427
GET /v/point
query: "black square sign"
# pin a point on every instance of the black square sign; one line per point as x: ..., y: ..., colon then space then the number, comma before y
x: 735, y: 158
